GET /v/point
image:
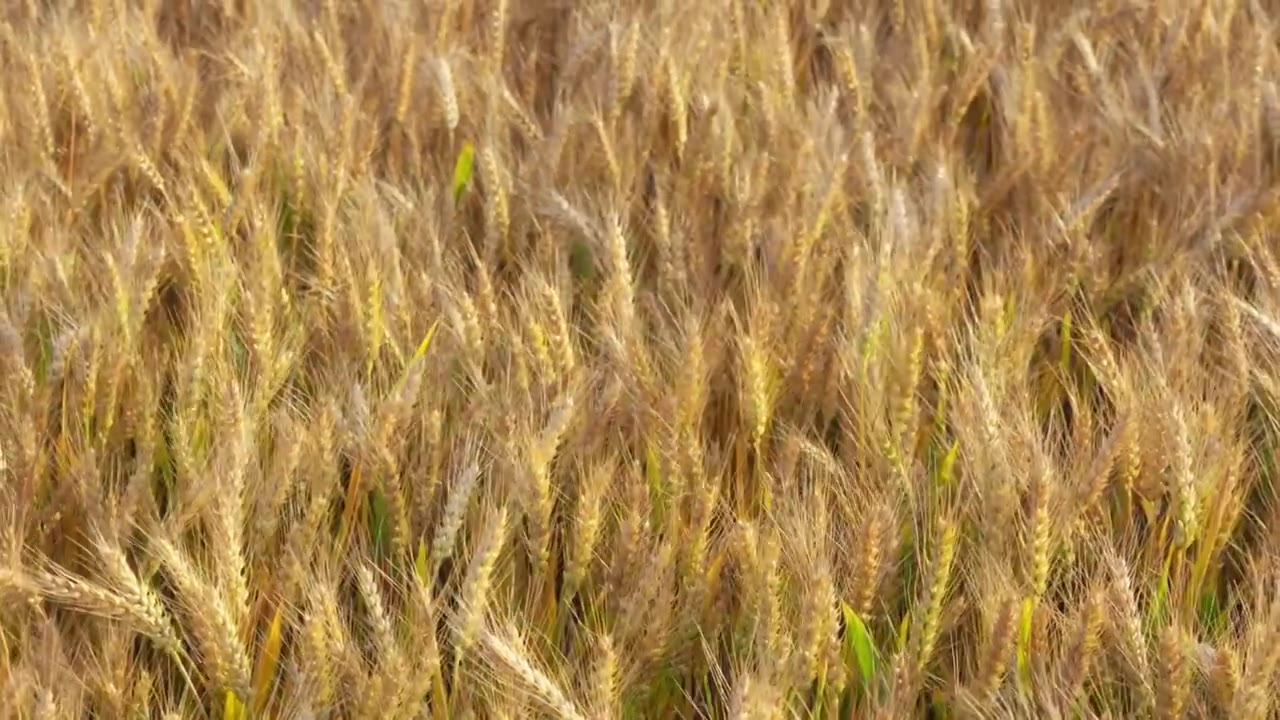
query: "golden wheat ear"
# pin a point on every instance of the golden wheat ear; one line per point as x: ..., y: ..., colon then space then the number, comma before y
x: 474, y: 592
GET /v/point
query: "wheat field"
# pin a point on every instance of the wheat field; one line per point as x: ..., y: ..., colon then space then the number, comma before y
x: 477, y: 359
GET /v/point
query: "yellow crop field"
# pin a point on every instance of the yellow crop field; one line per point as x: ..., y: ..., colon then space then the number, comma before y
x: 806, y: 359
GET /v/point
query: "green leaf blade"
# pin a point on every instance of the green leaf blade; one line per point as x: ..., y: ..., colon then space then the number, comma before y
x: 462, y: 170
